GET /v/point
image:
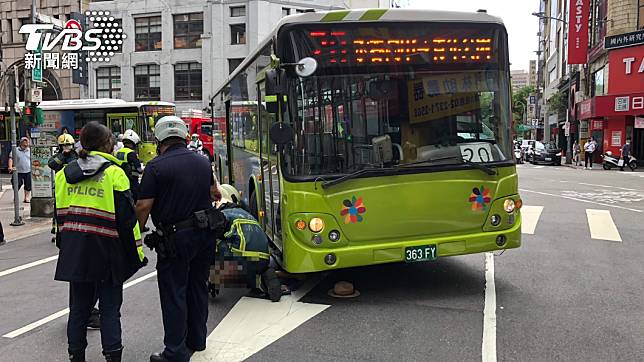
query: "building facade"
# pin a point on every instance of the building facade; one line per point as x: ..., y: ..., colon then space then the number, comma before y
x: 519, y: 79
x: 181, y: 51
x: 613, y: 109
x: 57, y: 83
x: 603, y: 98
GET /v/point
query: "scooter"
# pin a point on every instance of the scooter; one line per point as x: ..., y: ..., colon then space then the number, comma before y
x: 611, y: 161
x: 518, y: 155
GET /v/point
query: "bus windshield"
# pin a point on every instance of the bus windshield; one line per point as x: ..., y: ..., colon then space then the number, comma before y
x: 391, y: 95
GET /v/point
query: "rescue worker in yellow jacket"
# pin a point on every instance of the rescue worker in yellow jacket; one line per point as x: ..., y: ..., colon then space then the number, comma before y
x: 96, y: 219
x: 130, y: 161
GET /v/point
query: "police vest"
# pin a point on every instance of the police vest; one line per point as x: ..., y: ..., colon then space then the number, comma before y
x: 94, y: 197
x: 121, y: 154
x: 88, y: 206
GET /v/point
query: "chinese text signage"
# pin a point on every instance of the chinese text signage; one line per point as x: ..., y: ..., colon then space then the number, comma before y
x: 578, y: 32
x: 624, y: 40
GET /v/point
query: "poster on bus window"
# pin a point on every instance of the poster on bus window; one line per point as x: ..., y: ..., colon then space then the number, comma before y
x: 428, y: 108
x: 41, y: 175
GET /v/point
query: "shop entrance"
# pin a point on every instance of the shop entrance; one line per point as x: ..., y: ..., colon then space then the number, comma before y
x: 638, y: 145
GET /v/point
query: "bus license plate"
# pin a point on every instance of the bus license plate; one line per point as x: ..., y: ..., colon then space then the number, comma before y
x: 420, y: 253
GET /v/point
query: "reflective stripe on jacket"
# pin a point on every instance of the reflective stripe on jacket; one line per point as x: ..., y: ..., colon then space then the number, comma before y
x: 96, y: 219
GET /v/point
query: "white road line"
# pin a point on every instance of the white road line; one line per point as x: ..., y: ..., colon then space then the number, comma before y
x: 28, y: 265
x: 49, y: 318
x: 580, y: 200
x: 537, y: 167
x: 602, y: 226
x: 613, y: 187
x: 488, y: 348
x: 529, y: 218
x: 254, y: 323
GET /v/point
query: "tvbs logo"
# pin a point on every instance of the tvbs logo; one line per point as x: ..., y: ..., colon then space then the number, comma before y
x: 98, y: 43
x: 71, y: 38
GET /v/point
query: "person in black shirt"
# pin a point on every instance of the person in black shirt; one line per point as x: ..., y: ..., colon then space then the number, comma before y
x: 626, y: 154
x: 175, y: 185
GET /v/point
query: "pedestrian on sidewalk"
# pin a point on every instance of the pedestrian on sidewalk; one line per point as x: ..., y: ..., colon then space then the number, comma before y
x: 22, y: 167
x: 576, y: 150
x: 97, y: 248
x: 626, y: 153
x: 589, y: 151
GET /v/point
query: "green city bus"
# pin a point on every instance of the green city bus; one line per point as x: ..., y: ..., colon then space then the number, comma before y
x: 361, y: 137
x: 118, y: 115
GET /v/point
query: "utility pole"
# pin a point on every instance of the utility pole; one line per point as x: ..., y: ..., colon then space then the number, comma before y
x: 17, y: 219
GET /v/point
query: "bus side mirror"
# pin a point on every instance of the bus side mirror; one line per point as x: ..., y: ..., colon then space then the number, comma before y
x: 281, y: 133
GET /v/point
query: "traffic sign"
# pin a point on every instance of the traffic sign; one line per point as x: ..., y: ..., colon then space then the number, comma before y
x: 36, y: 72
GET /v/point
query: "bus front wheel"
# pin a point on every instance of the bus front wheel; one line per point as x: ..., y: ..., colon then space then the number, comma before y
x: 252, y: 205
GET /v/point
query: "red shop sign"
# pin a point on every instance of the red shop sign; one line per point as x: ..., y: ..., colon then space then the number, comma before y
x: 597, y: 124
x: 626, y: 70
x: 578, y: 32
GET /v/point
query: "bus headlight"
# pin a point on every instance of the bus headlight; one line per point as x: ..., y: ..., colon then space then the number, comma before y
x: 316, y: 224
x: 495, y: 220
x: 509, y: 205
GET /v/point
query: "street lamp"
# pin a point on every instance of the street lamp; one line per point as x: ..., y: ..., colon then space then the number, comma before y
x: 541, y: 15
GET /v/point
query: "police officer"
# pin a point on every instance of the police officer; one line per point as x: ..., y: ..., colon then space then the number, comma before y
x: 95, y: 214
x: 175, y: 185
x: 65, y: 155
x: 128, y: 155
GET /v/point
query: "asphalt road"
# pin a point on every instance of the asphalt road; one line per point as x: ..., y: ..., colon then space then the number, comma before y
x: 569, y: 293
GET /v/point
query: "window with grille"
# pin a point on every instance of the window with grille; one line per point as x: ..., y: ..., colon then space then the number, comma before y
x: 187, y: 81
x: 237, y: 11
x: 238, y: 34
x: 108, y: 82
x: 234, y: 63
x: 187, y: 30
x: 147, y: 82
x: 147, y: 33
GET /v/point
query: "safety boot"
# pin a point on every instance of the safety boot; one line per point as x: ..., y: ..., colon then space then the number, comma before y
x: 271, y: 285
x: 113, y: 356
x: 76, y: 356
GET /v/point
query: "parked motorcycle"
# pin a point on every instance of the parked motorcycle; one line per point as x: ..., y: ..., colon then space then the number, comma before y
x: 611, y: 161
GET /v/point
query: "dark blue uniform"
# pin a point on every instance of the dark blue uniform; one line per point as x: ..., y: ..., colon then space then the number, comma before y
x: 179, y: 182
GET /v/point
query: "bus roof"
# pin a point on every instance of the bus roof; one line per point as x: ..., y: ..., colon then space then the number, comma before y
x: 103, y: 103
x: 367, y: 15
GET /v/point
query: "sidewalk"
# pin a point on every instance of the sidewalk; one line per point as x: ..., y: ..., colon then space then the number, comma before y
x: 32, y: 226
x: 598, y: 167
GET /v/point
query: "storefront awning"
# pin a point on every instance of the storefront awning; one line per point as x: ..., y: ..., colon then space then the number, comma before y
x: 611, y: 106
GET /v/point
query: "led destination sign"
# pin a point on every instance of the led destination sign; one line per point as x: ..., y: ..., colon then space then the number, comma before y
x: 393, y: 44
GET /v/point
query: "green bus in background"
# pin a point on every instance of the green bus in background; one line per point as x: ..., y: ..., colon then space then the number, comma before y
x: 118, y: 115
x: 362, y: 137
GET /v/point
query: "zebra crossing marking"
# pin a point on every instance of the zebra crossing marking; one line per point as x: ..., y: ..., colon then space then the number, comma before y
x: 530, y: 218
x: 602, y: 226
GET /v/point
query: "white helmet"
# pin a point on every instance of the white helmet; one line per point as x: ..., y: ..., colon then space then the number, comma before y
x: 131, y: 136
x: 170, y: 126
x: 229, y: 194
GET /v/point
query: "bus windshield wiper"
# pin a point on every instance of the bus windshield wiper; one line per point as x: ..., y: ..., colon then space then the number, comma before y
x: 488, y: 170
x: 349, y: 176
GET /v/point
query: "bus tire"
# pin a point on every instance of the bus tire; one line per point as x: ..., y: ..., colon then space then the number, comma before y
x: 252, y: 205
